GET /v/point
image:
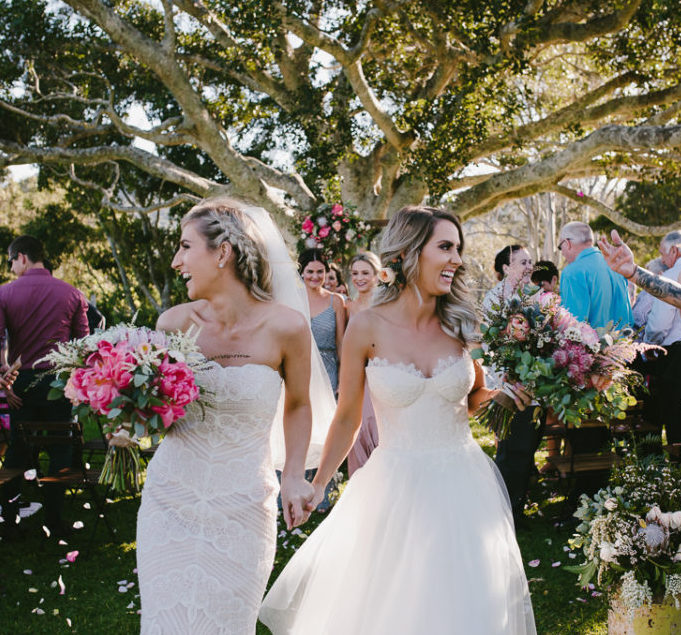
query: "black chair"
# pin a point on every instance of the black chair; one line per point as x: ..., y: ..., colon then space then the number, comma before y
x: 41, y: 435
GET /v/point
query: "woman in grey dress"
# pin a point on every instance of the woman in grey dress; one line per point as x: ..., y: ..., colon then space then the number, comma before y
x: 327, y: 311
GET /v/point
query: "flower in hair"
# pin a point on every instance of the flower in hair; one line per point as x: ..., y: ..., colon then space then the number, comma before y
x: 387, y: 276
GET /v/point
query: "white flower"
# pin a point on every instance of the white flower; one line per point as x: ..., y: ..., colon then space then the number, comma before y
x: 610, y: 504
x: 321, y: 221
x: 655, y: 537
x: 350, y: 234
x: 310, y: 242
x: 608, y: 553
x: 654, y: 514
x: 387, y: 276
x: 675, y: 520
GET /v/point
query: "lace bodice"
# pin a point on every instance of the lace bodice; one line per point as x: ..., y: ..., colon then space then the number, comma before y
x: 206, y: 528
x: 418, y: 413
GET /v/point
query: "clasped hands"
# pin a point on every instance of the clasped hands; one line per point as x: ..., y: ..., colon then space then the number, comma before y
x: 7, y: 378
x: 299, y: 499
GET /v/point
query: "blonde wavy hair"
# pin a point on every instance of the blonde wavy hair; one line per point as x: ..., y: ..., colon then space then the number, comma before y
x: 221, y: 220
x: 403, y: 239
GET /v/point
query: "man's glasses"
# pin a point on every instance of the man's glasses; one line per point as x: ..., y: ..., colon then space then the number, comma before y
x: 562, y: 242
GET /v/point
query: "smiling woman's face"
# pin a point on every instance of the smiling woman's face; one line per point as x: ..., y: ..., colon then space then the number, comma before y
x: 439, y: 259
x: 197, y: 264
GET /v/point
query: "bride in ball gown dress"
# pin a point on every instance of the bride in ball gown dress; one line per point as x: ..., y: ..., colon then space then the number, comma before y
x: 421, y: 541
x: 206, y: 529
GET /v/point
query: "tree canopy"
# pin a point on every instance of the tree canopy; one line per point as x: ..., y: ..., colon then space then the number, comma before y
x: 381, y: 103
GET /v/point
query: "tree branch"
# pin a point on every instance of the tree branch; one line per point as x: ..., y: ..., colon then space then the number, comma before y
x: 615, y: 216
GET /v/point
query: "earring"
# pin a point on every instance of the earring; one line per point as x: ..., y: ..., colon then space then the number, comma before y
x: 221, y: 265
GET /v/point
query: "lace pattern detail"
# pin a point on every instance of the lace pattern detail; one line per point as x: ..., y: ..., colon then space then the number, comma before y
x: 441, y: 365
x: 206, y: 529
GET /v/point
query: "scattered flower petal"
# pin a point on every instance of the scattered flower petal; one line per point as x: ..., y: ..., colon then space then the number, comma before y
x: 47, y: 531
x: 130, y: 606
x: 572, y: 556
x: 32, y: 590
x: 596, y: 594
x: 78, y: 524
x: 63, y: 542
x: 121, y: 582
x: 533, y: 563
x: 122, y: 589
x: 28, y: 572
x: 583, y: 600
x: 30, y: 475
x: 62, y: 586
x: 68, y: 621
x: 38, y: 611
x: 63, y: 560
x: 556, y: 564
x: 86, y: 505
x: 72, y: 555
x: 134, y: 570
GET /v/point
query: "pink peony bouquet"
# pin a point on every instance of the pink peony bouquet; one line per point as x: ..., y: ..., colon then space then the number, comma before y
x: 338, y: 231
x: 569, y: 367
x: 133, y: 382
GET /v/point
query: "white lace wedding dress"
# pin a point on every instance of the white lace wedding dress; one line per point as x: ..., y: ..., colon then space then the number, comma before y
x: 206, y: 529
x: 421, y: 541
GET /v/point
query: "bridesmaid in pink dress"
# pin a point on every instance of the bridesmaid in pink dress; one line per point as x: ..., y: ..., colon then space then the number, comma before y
x: 364, y: 268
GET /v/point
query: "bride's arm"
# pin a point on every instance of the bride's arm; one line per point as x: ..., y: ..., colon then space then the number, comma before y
x: 348, y: 417
x: 479, y: 393
x: 295, y: 490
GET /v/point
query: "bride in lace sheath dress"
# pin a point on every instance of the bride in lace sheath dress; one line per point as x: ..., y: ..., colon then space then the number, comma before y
x: 421, y: 541
x: 206, y: 529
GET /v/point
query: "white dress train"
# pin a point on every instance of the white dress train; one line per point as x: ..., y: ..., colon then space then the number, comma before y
x: 206, y: 529
x: 422, y: 541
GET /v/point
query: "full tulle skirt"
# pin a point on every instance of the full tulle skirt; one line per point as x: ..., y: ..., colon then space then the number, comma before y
x: 419, y: 543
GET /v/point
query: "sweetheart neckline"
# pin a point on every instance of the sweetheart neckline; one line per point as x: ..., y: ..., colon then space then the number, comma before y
x: 215, y: 364
x: 441, y: 365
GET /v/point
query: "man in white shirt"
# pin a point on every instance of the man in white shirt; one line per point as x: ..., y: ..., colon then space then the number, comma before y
x: 664, y: 328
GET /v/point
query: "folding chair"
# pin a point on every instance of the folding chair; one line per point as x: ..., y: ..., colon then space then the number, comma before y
x: 40, y: 435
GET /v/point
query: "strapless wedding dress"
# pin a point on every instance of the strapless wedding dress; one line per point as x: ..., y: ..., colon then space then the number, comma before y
x: 206, y: 529
x: 421, y: 542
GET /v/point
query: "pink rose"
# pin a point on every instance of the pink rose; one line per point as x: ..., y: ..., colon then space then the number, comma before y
x: 337, y: 225
x: 518, y: 327
x: 337, y: 210
x: 324, y: 231
x: 308, y: 225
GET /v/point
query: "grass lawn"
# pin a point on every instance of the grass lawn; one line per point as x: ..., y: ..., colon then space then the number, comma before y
x: 100, y: 592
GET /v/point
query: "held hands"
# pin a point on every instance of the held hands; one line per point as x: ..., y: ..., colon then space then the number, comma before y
x: 618, y: 256
x: 296, y: 493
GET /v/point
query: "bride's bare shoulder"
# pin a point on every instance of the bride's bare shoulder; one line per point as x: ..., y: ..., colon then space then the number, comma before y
x: 181, y: 316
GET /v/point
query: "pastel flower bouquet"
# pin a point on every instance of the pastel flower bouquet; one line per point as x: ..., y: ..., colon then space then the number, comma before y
x: 566, y: 365
x: 134, y: 382
x: 337, y: 230
x: 630, y: 535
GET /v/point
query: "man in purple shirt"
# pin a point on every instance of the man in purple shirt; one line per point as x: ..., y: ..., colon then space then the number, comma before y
x: 36, y: 312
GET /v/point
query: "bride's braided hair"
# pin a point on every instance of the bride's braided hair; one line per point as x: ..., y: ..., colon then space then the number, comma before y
x: 221, y: 220
x: 403, y: 239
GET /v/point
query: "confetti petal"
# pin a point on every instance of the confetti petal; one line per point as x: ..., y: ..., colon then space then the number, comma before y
x: 533, y: 563
x: 30, y: 475
x: 32, y: 590
x: 121, y: 582
x: 28, y: 572
x: 62, y: 586
x: 122, y: 589
x: 556, y: 564
x: 72, y: 555
x: 130, y: 606
x: 38, y: 611
x: 68, y: 621
x: 78, y: 524
x: 63, y: 543
x: 47, y: 531
x: 86, y: 506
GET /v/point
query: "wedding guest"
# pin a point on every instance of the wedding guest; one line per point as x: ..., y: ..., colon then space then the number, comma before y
x: 515, y: 454
x: 663, y: 327
x: 589, y: 289
x: 327, y: 311
x: 644, y: 301
x: 621, y: 260
x: 364, y: 268
x: 421, y: 541
x: 37, y: 311
x: 593, y: 293
x: 334, y: 280
x: 545, y: 275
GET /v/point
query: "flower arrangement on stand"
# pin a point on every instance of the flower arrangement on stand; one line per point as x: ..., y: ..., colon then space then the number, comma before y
x: 337, y: 230
x: 566, y: 365
x: 630, y: 536
x: 133, y: 383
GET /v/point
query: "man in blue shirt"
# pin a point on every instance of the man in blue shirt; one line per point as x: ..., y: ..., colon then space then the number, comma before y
x: 589, y: 289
